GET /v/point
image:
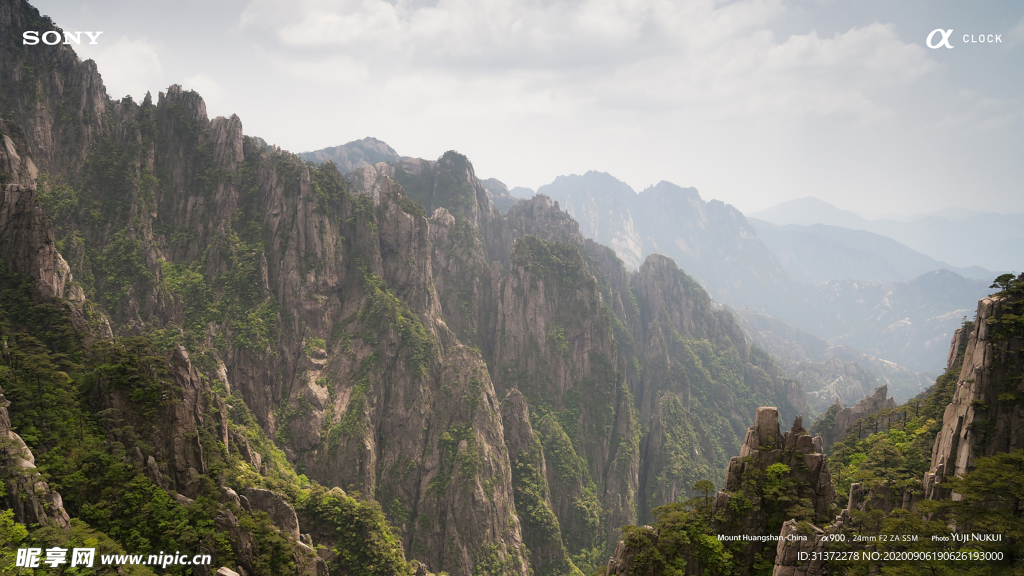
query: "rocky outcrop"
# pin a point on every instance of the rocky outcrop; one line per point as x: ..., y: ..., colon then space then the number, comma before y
x: 763, y: 435
x: 764, y: 446
x: 801, y: 453
x: 277, y: 507
x: 448, y: 183
x: 25, y: 491
x: 986, y: 414
x: 740, y: 514
x: 624, y: 561
x: 797, y: 539
x: 874, y: 404
x: 539, y: 217
x: 177, y: 458
x: 792, y: 544
x: 958, y: 346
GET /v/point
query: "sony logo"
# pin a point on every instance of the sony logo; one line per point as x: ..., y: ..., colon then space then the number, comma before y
x: 52, y: 37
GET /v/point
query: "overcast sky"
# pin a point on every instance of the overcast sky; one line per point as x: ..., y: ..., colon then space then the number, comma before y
x: 752, y: 102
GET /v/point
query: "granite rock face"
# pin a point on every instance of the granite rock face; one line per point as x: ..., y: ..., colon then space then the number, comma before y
x: 26, y: 239
x: 277, y: 507
x: 812, y: 540
x: 986, y: 414
x: 764, y: 434
x: 542, y: 532
x: 788, y: 550
x: 624, y: 562
x: 177, y: 456
x: 58, y: 100
x: 766, y: 445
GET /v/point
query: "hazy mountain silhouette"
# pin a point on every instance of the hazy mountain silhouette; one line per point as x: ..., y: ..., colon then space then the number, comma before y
x: 989, y: 240
x: 819, y: 253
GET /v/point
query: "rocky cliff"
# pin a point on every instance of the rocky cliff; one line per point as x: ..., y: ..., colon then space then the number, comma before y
x: 837, y: 421
x: 986, y: 414
x: 27, y: 241
x: 160, y: 413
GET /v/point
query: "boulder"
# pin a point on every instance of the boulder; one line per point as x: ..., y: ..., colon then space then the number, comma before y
x: 277, y: 507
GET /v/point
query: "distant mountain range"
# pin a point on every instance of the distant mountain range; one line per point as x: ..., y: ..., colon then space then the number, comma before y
x: 910, y: 323
x: 992, y: 241
x: 710, y: 240
x: 827, y: 371
x: 819, y: 253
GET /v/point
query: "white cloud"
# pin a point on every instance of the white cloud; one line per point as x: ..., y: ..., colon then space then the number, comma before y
x: 706, y: 56
x: 128, y: 66
x: 210, y: 89
x: 979, y: 113
x: 1015, y: 35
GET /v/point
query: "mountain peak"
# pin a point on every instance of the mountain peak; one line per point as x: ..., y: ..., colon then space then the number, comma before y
x: 354, y: 154
x: 666, y: 187
x: 807, y: 211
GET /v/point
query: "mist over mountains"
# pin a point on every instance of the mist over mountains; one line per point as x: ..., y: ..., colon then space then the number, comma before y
x: 828, y: 371
x: 819, y: 253
x: 961, y: 238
